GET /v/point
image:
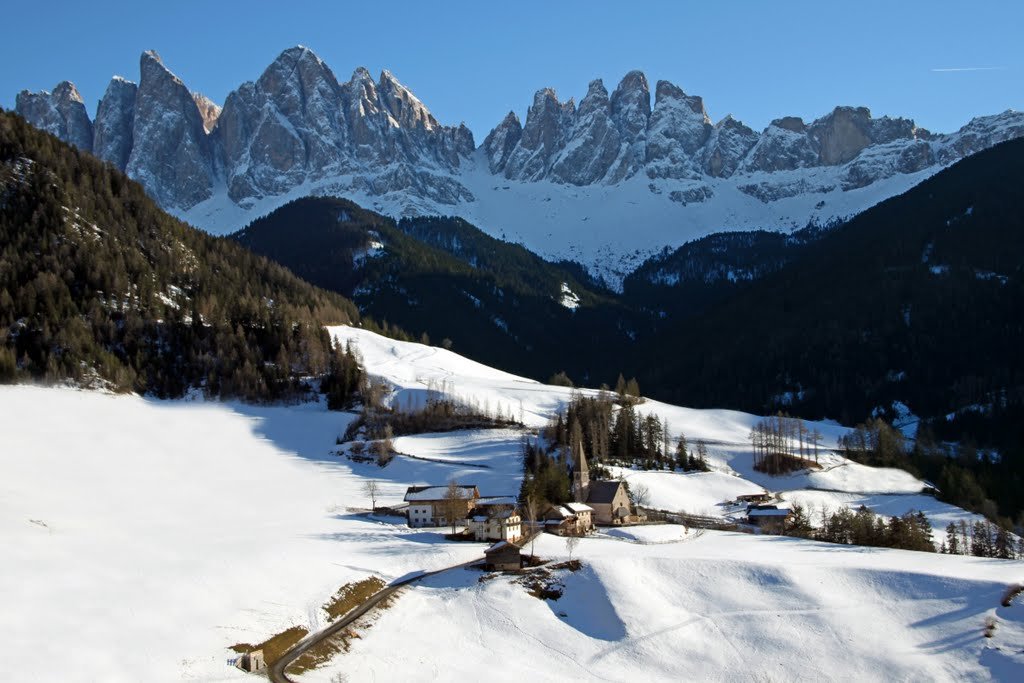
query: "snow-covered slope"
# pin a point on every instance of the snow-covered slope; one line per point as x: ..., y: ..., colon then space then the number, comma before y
x: 715, y: 607
x: 604, y: 183
x: 143, y: 538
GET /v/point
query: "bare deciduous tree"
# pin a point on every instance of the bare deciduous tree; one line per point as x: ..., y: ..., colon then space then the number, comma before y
x: 639, y: 495
x: 531, y: 510
x: 453, y: 503
x: 571, y: 542
x: 371, y: 488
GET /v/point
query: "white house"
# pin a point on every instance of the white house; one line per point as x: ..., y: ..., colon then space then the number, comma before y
x: 571, y: 519
x: 430, y: 505
x: 495, y: 519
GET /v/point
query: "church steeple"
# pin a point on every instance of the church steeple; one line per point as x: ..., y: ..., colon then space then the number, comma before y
x: 580, y: 474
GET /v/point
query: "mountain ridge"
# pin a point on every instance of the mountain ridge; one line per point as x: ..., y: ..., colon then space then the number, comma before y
x: 298, y: 130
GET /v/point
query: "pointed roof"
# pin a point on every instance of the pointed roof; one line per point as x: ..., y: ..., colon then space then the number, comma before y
x: 603, y: 492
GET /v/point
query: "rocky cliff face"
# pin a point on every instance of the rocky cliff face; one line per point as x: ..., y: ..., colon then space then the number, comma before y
x: 61, y: 112
x: 115, y: 121
x: 171, y: 155
x: 299, y: 124
x: 296, y: 124
x: 298, y: 129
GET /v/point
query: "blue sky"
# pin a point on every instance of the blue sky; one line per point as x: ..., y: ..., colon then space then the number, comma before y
x: 474, y: 61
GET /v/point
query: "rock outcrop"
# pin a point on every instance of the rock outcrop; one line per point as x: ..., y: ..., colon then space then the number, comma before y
x: 115, y: 121
x: 171, y: 155
x: 61, y: 112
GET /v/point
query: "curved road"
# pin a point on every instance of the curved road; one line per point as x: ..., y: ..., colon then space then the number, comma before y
x: 277, y: 671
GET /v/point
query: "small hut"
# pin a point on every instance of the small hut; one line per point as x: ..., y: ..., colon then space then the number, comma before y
x: 503, y: 556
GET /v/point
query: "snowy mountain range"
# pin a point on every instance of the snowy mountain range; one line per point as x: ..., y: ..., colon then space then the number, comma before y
x: 604, y: 182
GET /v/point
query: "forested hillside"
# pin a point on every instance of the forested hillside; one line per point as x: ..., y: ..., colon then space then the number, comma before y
x: 918, y: 301
x: 99, y: 286
x: 447, y: 282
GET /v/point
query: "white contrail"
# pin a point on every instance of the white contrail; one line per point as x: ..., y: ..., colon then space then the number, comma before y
x: 972, y: 68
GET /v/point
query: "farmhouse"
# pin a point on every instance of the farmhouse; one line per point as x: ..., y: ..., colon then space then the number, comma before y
x: 571, y: 519
x: 770, y: 519
x: 503, y: 556
x: 433, y: 505
x: 495, y: 519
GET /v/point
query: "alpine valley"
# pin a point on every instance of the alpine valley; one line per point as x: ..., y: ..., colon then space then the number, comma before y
x: 310, y: 385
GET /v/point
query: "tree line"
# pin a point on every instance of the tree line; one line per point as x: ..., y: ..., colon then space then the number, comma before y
x: 910, y: 531
x: 982, y: 539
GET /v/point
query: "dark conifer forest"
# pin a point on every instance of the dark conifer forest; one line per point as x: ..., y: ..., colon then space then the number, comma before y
x: 99, y: 286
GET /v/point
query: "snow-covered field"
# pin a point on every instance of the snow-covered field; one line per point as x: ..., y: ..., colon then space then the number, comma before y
x: 142, y: 538
x: 713, y: 607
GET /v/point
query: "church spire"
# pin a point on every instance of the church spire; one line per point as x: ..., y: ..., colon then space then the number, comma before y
x: 580, y: 473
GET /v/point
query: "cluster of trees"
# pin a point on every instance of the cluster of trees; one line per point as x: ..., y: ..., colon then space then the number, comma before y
x: 911, y: 531
x: 782, y: 444
x: 609, y: 430
x: 874, y: 442
x: 982, y: 539
x: 545, y: 477
x: 963, y: 475
x: 98, y: 285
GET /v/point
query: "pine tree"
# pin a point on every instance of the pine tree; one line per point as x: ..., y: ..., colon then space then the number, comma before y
x: 682, y: 454
x: 952, y: 541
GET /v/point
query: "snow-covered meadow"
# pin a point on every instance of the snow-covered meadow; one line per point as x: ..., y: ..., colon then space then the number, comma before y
x: 142, y: 538
x: 711, y: 607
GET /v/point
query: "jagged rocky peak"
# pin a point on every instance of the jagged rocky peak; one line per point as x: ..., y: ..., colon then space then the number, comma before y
x: 60, y: 112
x: 115, y: 118
x: 678, y: 128
x: 728, y: 144
x: 593, y: 143
x: 298, y: 80
x: 794, y: 124
x: 783, y: 146
x: 843, y: 133
x: 275, y: 131
x: 297, y: 123
x: 548, y: 123
x: 171, y: 155
x: 500, y: 142
x: 631, y: 104
x: 404, y: 107
x: 596, y: 100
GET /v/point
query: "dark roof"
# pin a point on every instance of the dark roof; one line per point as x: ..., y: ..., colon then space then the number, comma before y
x: 603, y: 492
x: 433, y: 493
x: 502, y: 547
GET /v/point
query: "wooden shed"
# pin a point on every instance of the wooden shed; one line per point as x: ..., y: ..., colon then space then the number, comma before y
x: 503, y: 556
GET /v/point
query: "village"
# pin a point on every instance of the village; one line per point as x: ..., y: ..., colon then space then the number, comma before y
x: 507, y: 523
